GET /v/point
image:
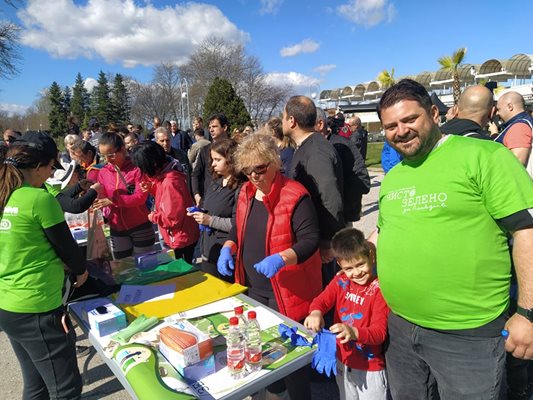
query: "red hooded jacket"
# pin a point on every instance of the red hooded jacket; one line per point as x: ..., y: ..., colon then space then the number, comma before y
x: 128, y: 210
x: 172, y: 197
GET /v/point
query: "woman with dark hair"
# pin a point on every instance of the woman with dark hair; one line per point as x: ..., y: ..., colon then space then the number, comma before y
x: 165, y: 179
x: 219, y: 200
x: 123, y: 202
x: 35, y: 244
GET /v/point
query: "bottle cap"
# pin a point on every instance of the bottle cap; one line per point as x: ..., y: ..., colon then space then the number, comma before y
x: 239, y: 310
x: 234, y: 321
x: 252, y: 315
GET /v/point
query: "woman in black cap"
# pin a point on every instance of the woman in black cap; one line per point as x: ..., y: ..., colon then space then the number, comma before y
x: 35, y: 244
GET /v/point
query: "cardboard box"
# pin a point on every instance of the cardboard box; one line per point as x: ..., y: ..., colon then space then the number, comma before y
x: 105, y: 319
x: 188, y: 349
x: 198, y: 371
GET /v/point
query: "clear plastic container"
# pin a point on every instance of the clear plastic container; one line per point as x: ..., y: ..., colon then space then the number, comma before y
x: 239, y: 313
x: 254, y: 346
x: 235, y: 350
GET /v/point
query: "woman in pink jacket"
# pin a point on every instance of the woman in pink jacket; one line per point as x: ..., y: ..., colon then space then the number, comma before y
x: 166, y: 181
x: 123, y: 202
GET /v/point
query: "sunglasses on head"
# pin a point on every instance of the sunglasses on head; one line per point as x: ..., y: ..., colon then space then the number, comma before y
x: 257, y: 169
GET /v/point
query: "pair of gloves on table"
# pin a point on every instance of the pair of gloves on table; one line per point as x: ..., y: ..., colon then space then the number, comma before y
x: 269, y: 266
x: 325, y: 357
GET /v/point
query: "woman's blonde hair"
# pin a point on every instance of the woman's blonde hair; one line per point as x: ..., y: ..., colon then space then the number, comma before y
x: 71, y: 139
x: 255, y: 149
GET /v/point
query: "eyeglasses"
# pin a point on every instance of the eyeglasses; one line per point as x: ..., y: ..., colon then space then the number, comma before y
x: 109, y: 155
x: 258, y: 169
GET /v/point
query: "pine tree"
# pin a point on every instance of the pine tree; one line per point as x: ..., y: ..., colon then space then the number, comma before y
x: 79, y: 104
x: 120, y: 101
x: 101, y: 107
x: 221, y: 98
x: 67, y: 100
x: 57, y: 119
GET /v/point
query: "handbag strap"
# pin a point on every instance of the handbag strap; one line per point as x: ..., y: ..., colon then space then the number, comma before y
x: 121, y: 176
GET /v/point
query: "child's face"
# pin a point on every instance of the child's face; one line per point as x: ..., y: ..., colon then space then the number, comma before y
x: 358, y: 270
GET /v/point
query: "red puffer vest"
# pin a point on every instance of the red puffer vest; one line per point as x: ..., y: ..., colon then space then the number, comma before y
x: 295, y: 286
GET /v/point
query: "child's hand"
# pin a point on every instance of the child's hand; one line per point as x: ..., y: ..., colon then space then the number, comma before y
x: 314, y: 321
x: 345, y: 332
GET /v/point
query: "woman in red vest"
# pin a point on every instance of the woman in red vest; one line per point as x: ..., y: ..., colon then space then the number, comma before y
x: 275, y: 239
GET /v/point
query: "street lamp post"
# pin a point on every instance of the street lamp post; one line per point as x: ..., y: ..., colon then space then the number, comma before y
x: 185, y: 95
x: 314, y: 93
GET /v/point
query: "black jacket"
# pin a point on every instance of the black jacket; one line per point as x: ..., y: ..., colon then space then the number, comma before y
x: 317, y: 165
x: 464, y: 127
x: 218, y: 203
x: 355, y: 176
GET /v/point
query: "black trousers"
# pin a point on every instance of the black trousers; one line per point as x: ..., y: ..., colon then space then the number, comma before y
x: 186, y: 253
x: 46, y: 353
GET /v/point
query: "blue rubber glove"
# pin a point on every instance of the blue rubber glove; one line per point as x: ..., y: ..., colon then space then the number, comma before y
x: 287, y: 332
x: 325, y: 360
x: 270, y: 265
x: 202, y: 227
x: 225, y: 264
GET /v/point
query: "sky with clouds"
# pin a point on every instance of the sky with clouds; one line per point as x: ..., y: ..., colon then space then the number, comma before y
x: 310, y: 44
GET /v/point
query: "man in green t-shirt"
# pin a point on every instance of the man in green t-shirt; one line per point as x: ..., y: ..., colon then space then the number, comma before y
x: 446, y: 212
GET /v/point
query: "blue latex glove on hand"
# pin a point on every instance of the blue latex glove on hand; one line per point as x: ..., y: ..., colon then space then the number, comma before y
x: 225, y: 264
x: 325, y: 360
x: 287, y: 332
x: 202, y: 227
x: 270, y: 265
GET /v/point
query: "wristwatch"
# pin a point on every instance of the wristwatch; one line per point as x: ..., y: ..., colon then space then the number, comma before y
x: 525, y: 312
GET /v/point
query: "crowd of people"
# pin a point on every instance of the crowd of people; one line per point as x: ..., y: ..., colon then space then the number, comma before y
x: 448, y: 316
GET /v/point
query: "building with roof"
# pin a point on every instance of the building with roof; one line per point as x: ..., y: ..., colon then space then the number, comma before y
x: 515, y: 73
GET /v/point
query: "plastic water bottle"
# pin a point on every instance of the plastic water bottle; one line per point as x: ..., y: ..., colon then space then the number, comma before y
x: 254, y: 347
x: 235, y: 349
x: 239, y: 313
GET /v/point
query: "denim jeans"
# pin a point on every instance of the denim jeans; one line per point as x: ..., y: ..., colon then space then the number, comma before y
x: 462, y: 367
x: 46, y: 353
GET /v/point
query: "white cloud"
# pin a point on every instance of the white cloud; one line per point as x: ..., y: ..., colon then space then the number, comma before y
x: 367, y: 12
x: 89, y: 84
x: 302, y: 84
x: 305, y: 46
x: 270, y: 6
x: 324, y: 69
x: 122, y: 31
x: 12, y: 109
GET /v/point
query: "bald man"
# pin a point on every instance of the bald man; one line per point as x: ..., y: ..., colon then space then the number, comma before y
x: 359, y: 135
x: 517, y: 127
x: 473, y: 112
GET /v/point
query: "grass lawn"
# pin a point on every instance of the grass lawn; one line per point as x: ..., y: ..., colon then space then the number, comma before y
x: 373, y: 154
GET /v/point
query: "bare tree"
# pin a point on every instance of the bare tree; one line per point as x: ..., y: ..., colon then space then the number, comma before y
x: 167, y: 78
x: 9, y: 46
x: 218, y: 58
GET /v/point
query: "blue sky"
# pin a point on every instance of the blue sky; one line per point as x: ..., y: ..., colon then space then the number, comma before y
x: 310, y: 44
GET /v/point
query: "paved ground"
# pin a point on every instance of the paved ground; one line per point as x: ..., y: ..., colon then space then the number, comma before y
x: 100, y: 382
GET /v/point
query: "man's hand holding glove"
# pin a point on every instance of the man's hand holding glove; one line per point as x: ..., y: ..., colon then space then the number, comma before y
x: 225, y: 263
x: 270, y: 265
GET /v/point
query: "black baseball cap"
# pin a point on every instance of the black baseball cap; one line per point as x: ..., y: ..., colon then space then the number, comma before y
x: 44, y: 143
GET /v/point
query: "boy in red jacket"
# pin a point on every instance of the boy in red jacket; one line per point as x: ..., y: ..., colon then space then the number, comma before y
x: 360, y: 318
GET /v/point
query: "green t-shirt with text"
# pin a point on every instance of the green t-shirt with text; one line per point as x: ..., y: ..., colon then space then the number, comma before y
x: 443, y: 260
x: 31, y: 273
